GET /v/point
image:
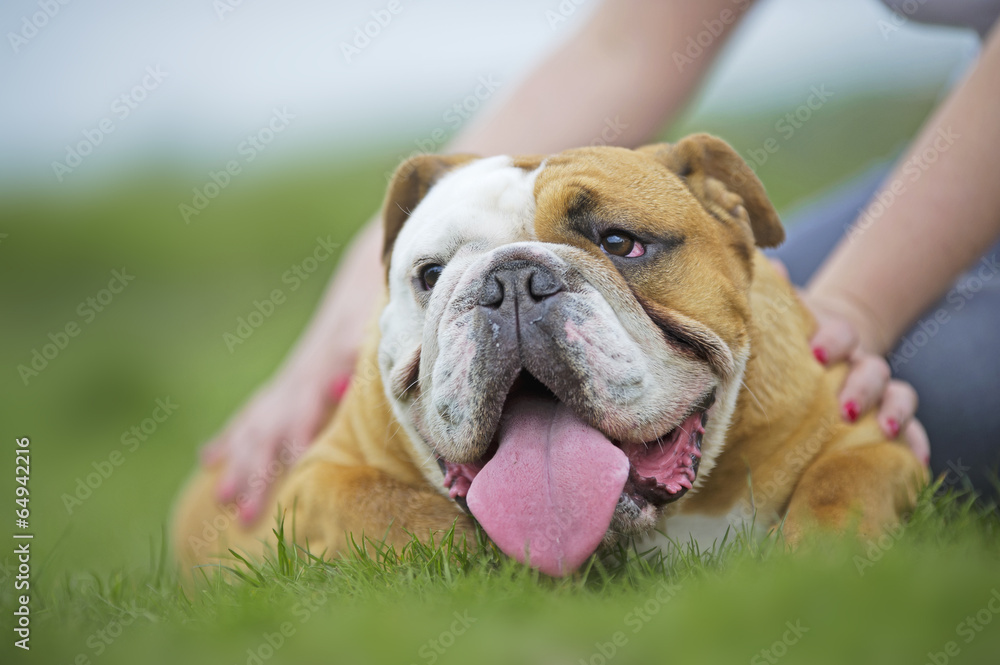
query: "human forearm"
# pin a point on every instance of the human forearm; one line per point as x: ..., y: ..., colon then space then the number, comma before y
x: 616, y: 81
x: 344, y: 314
x: 940, y: 210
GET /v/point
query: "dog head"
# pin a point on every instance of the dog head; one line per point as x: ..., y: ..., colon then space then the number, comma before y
x: 565, y: 337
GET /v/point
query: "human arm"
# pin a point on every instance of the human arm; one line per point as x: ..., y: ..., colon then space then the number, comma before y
x: 629, y: 62
x: 936, y: 214
x: 944, y: 214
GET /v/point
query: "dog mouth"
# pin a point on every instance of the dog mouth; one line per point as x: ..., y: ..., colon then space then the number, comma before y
x: 549, y: 484
x: 660, y: 471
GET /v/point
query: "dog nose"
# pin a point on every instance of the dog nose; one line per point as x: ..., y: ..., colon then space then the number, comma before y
x: 517, y: 281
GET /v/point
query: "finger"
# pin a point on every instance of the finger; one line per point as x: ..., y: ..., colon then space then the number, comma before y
x: 899, y: 405
x: 337, y: 388
x: 780, y: 267
x: 864, y: 386
x: 916, y: 438
x: 239, y: 463
x: 269, y: 463
x: 229, y: 485
x: 256, y: 483
x: 835, y: 340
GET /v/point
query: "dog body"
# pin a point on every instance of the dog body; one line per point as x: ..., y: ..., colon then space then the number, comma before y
x: 576, y: 350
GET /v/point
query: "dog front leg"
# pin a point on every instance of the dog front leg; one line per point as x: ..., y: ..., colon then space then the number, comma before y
x: 327, y: 504
x: 868, y: 487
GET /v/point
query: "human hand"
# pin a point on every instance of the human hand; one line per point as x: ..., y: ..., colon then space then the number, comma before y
x: 267, y: 435
x: 869, y: 383
x: 281, y: 420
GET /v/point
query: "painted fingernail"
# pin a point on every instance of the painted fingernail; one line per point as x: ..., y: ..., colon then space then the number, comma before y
x: 851, y: 411
x: 820, y: 354
x: 226, y: 491
x: 338, y: 387
x: 248, y: 512
x: 893, y: 427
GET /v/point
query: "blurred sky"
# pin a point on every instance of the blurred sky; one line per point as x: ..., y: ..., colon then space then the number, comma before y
x: 225, y: 71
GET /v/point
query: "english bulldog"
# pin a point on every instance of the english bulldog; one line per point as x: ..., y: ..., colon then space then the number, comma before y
x: 574, y: 350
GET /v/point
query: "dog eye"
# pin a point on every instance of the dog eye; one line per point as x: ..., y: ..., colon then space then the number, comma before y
x: 429, y: 275
x: 622, y: 244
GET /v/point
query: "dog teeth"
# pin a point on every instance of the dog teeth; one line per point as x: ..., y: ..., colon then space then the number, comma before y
x: 647, y: 482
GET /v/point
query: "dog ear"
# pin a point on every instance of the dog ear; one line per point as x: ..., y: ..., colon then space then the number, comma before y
x: 409, y: 185
x: 724, y: 184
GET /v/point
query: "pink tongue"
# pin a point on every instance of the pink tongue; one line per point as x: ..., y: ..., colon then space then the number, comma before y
x: 551, y: 488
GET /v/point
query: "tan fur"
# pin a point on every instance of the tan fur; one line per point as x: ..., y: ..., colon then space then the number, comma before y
x: 789, y: 442
x: 786, y: 439
x: 409, y: 185
x: 358, y: 478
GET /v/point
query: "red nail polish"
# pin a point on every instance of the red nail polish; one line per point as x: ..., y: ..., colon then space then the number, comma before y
x: 851, y: 411
x: 820, y: 354
x: 225, y: 492
x: 248, y: 513
x: 893, y: 427
x: 338, y: 387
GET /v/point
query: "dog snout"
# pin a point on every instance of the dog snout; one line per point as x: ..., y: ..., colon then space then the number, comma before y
x: 519, y: 282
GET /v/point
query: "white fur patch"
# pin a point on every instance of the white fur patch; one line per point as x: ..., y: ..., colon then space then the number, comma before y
x: 484, y: 204
x: 707, y: 531
x: 475, y: 208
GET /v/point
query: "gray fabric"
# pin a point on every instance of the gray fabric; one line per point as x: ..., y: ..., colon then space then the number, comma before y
x: 951, y: 356
x: 976, y: 14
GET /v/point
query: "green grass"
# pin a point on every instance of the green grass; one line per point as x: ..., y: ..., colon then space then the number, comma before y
x: 889, y: 602
x: 102, y: 563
